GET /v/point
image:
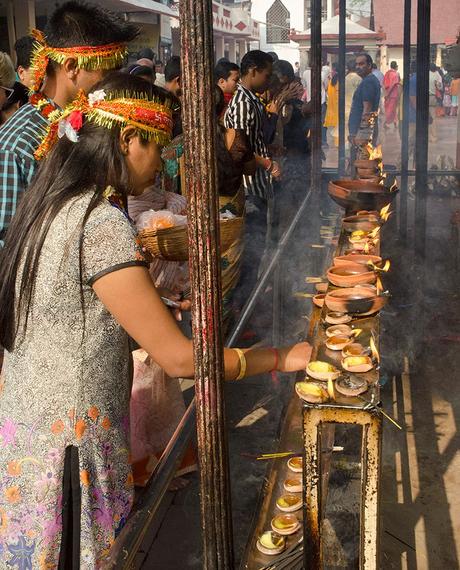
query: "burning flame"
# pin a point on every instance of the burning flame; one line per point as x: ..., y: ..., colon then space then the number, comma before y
x: 367, y: 247
x: 379, y: 285
x: 375, y: 352
x: 373, y: 234
x: 386, y: 266
x: 374, y: 152
x: 330, y: 389
x: 355, y: 333
x: 394, y: 186
x: 385, y: 213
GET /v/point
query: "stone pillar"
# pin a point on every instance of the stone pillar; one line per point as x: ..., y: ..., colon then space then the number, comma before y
x: 383, y: 58
x: 232, y: 50
x: 24, y: 16
x: 242, y: 49
x: 220, y: 46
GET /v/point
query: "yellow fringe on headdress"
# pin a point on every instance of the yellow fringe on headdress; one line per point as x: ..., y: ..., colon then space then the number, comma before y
x: 152, y: 118
x: 110, y: 56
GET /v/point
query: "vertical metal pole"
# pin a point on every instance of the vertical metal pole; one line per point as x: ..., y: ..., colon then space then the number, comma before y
x: 405, y: 123
x: 342, y: 57
x: 421, y: 157
x: 201, y: 181
x: 316, y: 152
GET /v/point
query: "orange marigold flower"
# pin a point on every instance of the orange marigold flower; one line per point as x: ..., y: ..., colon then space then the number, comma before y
x: 93, y: 412
x: 80, y: 428
x: 14, y: 468
x: 84, y: 477
x: 105, y: 422
x: 57, y: 427
x: 13, y: 494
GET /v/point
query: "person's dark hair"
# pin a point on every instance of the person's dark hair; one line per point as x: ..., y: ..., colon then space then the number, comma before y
x: 351, y: 65
x: 219, y: 100
x: 394, y: 65
x: 222, y: 60
x: 223, y: 70
x: 368, y: 59
x: 433, y: 66
x: 284, y: 68
x: 335, y: 77
x: 60, y: 179
x: 273, y: 55
x: 24, y: 48
x: 172, y: 68
x: 413, y: 66
x: 20, y: 94
x: 141, y: 71
x: 146, y: 53
x: 84, y: 24
x: 255, y: 59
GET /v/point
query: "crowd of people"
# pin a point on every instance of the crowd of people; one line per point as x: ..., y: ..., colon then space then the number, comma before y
x: 89, y: 145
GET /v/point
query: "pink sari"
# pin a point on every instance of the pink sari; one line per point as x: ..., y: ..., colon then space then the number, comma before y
x: 391, y: 84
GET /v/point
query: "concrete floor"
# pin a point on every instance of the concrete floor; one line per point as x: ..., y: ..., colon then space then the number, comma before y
x: 420, y: 516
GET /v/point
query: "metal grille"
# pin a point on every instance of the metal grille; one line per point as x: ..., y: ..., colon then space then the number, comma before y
x: 278, y: 23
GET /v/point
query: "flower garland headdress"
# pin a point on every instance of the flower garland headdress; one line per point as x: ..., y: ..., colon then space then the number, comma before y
x: 109, y: 56
x: 152, y: 118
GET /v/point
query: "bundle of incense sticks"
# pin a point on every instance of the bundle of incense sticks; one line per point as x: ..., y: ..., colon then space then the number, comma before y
x: 278, y: 454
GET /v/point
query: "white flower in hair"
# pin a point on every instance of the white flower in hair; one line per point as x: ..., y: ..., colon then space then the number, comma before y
x: 96, y: 96
x: 66, y: 129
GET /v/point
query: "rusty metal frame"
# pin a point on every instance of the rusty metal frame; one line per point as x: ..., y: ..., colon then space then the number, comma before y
x: 197, y: 58
x: 315, y: 421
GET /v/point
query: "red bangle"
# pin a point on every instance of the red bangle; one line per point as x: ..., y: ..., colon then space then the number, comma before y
x: 277, y: 358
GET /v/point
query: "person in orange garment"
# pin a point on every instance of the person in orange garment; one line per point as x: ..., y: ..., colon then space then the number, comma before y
x: 392, y: 85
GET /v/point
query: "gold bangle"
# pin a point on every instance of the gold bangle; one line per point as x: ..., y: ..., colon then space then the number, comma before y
x: 243, y: 363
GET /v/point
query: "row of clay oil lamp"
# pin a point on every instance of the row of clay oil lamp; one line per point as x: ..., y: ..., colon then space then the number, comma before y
x: 359, y: 293
x: 287, y: 521
x: 369, y: 164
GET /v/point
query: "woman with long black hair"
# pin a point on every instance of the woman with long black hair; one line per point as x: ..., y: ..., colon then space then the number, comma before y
x: 73, y: 285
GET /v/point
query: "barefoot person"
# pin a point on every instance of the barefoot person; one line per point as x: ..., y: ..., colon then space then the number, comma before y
x: 74, y: 286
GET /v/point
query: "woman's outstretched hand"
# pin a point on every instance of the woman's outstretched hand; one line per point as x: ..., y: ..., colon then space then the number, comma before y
x: 295, y: 357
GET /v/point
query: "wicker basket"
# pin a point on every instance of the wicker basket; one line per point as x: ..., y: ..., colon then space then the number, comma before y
x: 172, y: 243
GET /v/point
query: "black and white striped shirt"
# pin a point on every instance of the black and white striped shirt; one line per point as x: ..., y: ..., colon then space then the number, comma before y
x: 245, y: 112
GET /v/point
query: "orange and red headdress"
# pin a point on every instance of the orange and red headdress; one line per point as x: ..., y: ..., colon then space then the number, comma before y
x: 110, y: 56
x: 153, y: 119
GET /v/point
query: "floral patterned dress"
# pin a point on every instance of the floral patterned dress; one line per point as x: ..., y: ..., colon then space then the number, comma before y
x: 66, y: 385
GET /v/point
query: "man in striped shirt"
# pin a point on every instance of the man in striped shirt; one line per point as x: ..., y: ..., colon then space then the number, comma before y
x: 246, y: 112
x: 76, y: 25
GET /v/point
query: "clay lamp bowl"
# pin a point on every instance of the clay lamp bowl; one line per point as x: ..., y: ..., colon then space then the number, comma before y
x: 350, y: 275
x: 339, y: 330
x: 367, y: 172
x: 311, y: 392
x: 353, y: 349
x: 289, y: 503
x: 320, y: 370
x: 360, y: 258
x: 367, y: 163
x: 362, y: 363
x: 285, y: 524
x: 337, y: 318
x: 358, y: 299
x: 322, y: 287
x: 338, y: 342
x: 356, y: 223
x: 295, y: 464
x: 351, y: 385
x: 354, y: 195
x: 318, y: 300
x: 293, y: 484
x: 271, y: 543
